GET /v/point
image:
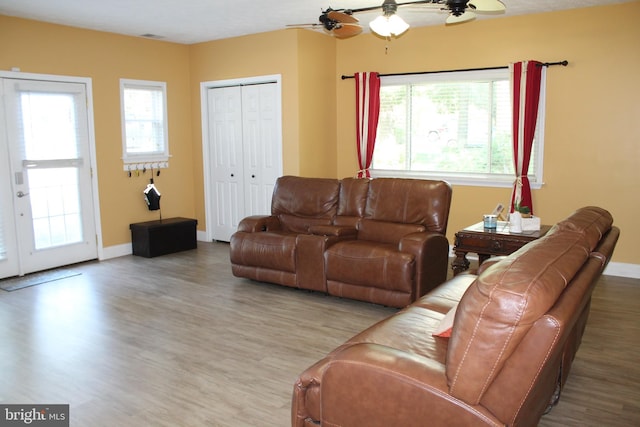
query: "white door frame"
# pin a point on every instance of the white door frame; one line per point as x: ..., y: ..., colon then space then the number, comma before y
x: 92, y: 137
x: 204, y: 108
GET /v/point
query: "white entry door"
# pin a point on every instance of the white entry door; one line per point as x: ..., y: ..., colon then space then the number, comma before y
x: 47, y: 217
x: 245, y: 153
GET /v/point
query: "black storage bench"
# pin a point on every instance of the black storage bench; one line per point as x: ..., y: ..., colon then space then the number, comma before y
x: 165, y: 236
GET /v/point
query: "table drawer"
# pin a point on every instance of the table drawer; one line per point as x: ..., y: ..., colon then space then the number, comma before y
x: 490, y: 245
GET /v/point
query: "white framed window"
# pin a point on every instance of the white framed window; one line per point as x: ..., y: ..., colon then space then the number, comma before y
x: 452, y: 125
x: 144, y: 121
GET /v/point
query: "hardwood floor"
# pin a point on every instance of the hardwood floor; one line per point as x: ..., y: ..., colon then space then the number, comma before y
x: 178, y: 341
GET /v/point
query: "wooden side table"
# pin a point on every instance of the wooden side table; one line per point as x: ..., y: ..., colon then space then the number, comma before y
x: 486, y: 243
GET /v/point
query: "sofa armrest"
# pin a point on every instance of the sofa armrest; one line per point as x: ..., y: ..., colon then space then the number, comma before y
x: 370, y: 384
x: 310, y: 248
x: 431, y: 251
x: 333, y: 230
x: 256, y: 223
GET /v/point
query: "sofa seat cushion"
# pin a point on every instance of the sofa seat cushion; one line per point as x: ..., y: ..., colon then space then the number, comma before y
x: 410, y: 330
x: 447, y: 295
x: 378, y: 265
x: 271, y: 250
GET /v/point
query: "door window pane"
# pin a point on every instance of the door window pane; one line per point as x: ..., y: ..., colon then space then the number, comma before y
x: 55, y: 205
x: 49, y: 126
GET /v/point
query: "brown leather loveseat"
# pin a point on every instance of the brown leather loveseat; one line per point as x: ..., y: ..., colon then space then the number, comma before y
x: 381, y: 240
x: 517, y: 326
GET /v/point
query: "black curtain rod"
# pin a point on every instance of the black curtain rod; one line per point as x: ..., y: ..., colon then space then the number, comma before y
x: 544, y: 64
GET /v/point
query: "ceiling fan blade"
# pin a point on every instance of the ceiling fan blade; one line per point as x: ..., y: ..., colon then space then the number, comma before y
x: 487, y: 5
x: 303, y: 25
x: 342, y: 17
x: 458, y: 19
x: 347, y: 29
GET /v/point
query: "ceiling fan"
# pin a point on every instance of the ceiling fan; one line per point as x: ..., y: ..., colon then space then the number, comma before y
x: 342, y: 24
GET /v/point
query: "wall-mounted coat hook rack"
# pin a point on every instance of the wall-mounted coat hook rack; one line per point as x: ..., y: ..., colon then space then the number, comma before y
x: 143, y: 167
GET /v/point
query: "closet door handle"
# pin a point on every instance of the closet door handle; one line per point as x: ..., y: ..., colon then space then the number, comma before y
x: 232, y: 175
x: 253, y: 176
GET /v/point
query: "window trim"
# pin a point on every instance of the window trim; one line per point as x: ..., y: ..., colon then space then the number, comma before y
x: 148, y: 157
x: 472, y: 179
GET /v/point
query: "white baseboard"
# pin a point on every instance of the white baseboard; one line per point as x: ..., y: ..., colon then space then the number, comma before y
x: 201, y: 236
x: 620, y: 269
x: 126, y: 249
x: 116, y: 251
x: 631, y: 271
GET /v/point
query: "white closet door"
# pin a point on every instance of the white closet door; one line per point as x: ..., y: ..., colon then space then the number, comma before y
x: 245, y: 153
x: 261, y: 145
x: 226, y: 163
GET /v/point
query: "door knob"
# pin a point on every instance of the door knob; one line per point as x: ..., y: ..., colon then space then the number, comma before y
x: 21, y: 194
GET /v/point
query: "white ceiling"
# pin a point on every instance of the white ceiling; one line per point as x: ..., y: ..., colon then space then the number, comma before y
x: 193, y: 21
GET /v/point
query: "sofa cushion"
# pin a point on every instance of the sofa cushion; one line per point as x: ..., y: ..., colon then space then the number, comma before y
x: 592, y: 222
x: 380, y: 266
x: 306, y: 198
x: 408, y: 330
x: 502, y: 304
x: 353, y: 196
x: 447, y: 295
x: 386, y: 232
x: 410, y: 201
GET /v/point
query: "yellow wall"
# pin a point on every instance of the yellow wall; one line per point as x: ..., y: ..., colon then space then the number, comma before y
x: 37, y: 47
x: 592, y: 139
x: 317, y: 100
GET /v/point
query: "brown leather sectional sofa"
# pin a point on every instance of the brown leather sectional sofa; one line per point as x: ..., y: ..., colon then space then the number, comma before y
x: 517, y: 326
x: 381, y: 240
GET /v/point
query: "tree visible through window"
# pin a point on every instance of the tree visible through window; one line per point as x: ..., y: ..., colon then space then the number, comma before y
x: 448, y: 125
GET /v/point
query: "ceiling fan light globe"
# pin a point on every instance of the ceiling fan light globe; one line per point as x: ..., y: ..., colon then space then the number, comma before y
x: 398, y: 25
x: 387, y: 26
